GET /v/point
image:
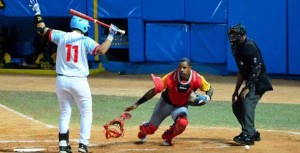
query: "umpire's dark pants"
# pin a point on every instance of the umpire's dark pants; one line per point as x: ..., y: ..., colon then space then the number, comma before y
x: 245, y: 112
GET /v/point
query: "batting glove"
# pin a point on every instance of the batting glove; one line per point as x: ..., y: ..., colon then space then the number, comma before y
x: 113, y: 29
x: 35, y: 7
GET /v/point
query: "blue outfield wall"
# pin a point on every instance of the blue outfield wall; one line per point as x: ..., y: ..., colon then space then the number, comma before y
x: 293, y: 37
x: 136, y: 40
x: 267, y: 26
x: 212, y: 11
x: 208, y: 43
x: 16, y: 8
x: 163, y: 10
x: 167, y: 42
x: 119, y: 8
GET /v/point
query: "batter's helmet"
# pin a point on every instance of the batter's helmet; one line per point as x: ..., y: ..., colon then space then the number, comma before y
x: 80, y: 24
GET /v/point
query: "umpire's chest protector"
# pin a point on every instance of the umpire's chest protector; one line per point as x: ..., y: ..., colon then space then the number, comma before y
x: 179, y: 92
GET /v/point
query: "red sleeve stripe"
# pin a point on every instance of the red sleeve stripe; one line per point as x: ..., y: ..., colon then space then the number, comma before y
x: 95, y: 50
x: 49, y: 35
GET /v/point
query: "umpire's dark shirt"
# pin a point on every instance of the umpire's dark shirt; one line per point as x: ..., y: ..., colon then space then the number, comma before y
x: 251, y: 65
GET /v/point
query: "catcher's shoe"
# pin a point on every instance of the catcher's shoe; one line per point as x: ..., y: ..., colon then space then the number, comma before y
x: 142, y: 136
x: 167, y: 142
x: 65, y: 149
x: 168, y: 135
x: 82, y: 148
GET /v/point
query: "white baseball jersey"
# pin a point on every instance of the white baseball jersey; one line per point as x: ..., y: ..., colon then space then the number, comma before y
x: 72, y: 50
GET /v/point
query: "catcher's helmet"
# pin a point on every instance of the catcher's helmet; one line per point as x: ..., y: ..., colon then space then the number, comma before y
x: 236, y: 32
x: 79, y: 23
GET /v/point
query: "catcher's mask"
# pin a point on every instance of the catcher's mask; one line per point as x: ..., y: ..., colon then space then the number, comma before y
x: 235, y: 33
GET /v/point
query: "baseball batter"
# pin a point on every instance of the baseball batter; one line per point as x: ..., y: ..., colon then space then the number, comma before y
x: 177, y: 87
x: 72, y: 71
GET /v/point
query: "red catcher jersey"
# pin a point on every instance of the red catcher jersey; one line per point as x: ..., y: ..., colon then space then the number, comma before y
x: 177, y: 92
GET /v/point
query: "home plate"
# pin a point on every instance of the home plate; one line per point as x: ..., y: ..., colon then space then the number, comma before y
x: 29, y: 150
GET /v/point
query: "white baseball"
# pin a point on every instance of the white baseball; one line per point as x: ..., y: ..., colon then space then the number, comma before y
x: 247, y: 147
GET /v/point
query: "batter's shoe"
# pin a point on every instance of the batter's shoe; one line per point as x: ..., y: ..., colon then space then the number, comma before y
x: 244, y: 139
x: 142, y: 136
x: 64, y: 146
x: 82, y: 148
x: 65, y: 149
x: 257, y: 136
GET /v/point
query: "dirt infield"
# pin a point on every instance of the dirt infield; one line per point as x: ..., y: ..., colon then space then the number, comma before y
x: 20, y: 132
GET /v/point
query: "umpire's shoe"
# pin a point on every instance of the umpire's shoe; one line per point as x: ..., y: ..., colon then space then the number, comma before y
x: 257, y: 136
x: 244, y: 139
x: 82, y: 148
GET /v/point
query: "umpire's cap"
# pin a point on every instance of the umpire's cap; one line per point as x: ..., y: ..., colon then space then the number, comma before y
x: 237, y: 29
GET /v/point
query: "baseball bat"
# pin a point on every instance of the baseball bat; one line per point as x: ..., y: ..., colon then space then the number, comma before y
x: 84, y: 16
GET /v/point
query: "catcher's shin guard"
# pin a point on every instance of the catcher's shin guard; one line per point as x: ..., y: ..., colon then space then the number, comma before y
x: 147, y: 128
x: 176, y: 129
x: 64, y: 146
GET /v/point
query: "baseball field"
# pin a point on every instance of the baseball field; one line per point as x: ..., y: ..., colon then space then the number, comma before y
x: 29, y: 117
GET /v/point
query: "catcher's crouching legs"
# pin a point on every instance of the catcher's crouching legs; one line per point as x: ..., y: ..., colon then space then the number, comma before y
x: 64, y: 146
x: 176, y: 129
x: 145, y: 129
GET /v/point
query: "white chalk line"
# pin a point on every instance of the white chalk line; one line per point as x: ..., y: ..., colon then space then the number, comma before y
x: 218, y: 144
x: 27, y: 117
x: 29, y: 150
x: 227, y: 128
x: 32, y: 141
x: 129, y: 150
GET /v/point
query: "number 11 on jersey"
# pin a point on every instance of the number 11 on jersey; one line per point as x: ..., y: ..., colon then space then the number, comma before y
x: 72, y: 50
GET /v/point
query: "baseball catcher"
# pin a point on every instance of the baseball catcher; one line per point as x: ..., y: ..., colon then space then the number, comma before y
x: 175, y: 88
x: 115, y: 128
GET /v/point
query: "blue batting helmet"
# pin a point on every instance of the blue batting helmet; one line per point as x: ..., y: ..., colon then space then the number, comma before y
x: 79, y: 23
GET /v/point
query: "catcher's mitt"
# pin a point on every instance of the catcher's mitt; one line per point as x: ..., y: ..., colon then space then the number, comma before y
x: 115, y: 128
x: 197, y: 99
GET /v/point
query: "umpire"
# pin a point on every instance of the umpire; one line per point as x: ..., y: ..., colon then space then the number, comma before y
x: 252, y: 70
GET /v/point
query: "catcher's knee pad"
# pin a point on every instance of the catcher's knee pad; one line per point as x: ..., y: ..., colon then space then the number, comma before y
x: 180, y: 124
x: 148, y: 128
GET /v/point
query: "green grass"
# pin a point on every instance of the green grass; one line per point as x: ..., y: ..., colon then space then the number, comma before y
x: 43, y: 106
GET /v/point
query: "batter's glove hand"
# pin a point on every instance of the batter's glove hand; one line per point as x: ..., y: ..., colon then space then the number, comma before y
x: 35, y: 7
x: 115, y: 128
x: 113, y: 29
